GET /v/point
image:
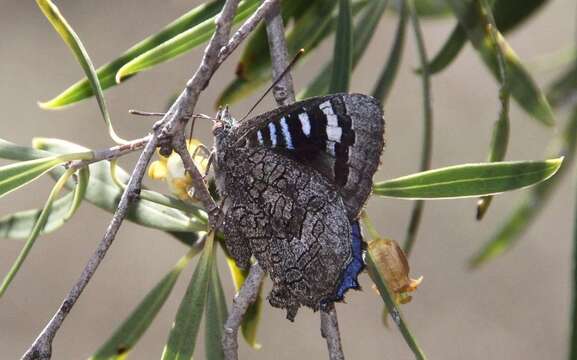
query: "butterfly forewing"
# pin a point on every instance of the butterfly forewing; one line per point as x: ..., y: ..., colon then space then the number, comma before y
x: 339, y: 135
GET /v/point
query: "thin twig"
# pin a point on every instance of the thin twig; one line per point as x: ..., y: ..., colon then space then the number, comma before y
x: 111, y: 153
x: 165, y: 131
x: 144, y: 113
x: 330, y: 331
x: 245, y: 29
x: 426, y: 152
x: 247, y: 295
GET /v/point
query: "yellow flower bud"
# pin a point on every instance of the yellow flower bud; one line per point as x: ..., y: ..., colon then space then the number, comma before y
x: 171, y: 170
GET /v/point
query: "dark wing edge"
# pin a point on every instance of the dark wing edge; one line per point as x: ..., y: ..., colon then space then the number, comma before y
x: 345, y: 147
x: 364, y: 156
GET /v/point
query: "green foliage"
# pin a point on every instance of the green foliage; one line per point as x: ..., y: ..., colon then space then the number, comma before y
x: 522, y: 86
x: 71, y: 39
x: 342, y: 55
x: 469, y: 180
x: 182, y: 337
x: 107, y: 74
x: 133, y: 327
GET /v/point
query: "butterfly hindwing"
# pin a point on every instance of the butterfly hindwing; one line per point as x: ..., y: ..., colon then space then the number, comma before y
x: 339, y: 135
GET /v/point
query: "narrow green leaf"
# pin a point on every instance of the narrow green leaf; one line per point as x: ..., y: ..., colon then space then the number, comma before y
x: 431, y: 8
x: 216, y: 315
x: 133, y: 327
x: 181, y: 43
x: 389, y: 73
x: 379, y: 280
x: 182, y: 338
x: 79, y: 192
x: 251, y: 319
x: 362, y: 35
x: 508, y: 15
x: 255, y: 62
x: 565, y: 144
x: 343, y: 48
x: 106, y: 74
x: 425, y: 8
x: 11, y: 151
x: 449, y: 51
x: 38, y: 225
x: 469, y: 180
x: 14, y: 176
x: 523, y: 88
x: 20, y: 225
x: 565, y: 87
x: 73, y: 41
x: 104, y: 193
x: 500, y: 139
x: 239, y: 89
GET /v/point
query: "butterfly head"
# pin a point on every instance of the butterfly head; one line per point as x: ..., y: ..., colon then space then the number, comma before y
x: 222, y: 127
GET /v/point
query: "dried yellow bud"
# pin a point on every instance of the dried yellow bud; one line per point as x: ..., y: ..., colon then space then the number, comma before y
x: 393, y: 265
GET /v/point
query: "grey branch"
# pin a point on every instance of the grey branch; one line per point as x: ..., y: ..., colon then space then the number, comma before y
x: 111, y: 153
x: 245, y: 297
x: 283, y: 91
x: 330, y: 331
x: 284, y: 95
x: 165, y: 133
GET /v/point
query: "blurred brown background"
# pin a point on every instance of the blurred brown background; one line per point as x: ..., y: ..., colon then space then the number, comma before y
x: 516, y: 307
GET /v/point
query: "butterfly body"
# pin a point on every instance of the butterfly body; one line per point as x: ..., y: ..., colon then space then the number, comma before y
x: 294, y: 181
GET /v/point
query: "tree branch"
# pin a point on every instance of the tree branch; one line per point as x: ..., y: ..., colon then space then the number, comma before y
x: 111, y: 153
x: 245, y: 297
x: 165, y: 134
x: 283, y: 91
x: 330, y: 331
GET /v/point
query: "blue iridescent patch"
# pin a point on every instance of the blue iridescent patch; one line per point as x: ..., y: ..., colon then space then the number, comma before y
x: 353, y: 269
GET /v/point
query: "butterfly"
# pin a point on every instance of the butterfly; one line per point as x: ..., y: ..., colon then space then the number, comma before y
x: 294, y: 181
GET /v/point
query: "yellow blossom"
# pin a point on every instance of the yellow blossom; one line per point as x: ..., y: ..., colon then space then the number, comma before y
x: 171, y: 170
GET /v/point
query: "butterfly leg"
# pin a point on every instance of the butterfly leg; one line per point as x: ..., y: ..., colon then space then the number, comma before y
x: 209, y: 164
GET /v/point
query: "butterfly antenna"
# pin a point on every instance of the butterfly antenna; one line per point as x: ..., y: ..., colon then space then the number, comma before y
x: 192, y: 123
x: 285, y: 71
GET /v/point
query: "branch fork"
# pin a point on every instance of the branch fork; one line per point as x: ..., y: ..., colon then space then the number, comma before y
x: 168, y: 133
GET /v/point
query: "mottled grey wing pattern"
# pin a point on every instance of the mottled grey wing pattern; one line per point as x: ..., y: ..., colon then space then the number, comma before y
x: 294, y: 223
x: 294, y: 181
x: 340, y: 135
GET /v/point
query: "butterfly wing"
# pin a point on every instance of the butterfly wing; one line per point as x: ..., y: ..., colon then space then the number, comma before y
x: 339, y: 135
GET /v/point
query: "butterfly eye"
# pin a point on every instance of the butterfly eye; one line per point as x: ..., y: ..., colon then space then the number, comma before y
x: 217, y: 127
